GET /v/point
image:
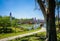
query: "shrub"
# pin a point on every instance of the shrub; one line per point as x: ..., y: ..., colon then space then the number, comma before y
x: 6, y: 30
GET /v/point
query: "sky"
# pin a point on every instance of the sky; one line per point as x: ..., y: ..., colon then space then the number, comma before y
x: 20, y: 9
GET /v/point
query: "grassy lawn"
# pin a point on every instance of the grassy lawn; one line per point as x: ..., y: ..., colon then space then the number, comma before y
x: 35, y: 37
x: 15, y: 34
x: 26, y: 26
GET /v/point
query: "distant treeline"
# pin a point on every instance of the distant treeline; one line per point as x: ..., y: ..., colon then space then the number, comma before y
x: 6, y: 22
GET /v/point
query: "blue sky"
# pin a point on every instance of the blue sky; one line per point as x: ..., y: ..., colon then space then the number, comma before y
x: 20, y: 9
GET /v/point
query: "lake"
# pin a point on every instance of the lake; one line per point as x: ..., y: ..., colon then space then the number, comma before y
x: 31, y: 26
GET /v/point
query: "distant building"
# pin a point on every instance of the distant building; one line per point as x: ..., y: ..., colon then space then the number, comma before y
x: 34, y: 20
x: 10, y: 16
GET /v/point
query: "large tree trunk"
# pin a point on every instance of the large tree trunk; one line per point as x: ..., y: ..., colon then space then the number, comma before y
x: 45, y: 14
x: 50, y: 19
x: 47, y: 25
x: 52, y: 28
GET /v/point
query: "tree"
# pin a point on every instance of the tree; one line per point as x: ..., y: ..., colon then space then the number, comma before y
x: 49, y: 18
x: 5, y: 24
x: 56, y: 18
x: 52, y: 27
x: 14, y: 22
x: 0, y: 16
x: 45, y: 14
x: 5, y: 21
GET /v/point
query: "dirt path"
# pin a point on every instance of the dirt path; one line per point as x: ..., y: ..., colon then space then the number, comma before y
x: 23, y: 35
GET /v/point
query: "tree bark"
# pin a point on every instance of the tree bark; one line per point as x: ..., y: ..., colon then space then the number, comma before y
x: 50, y: 19
x: 52, y: 27
x: 42, y: 7
x: 45, y: 14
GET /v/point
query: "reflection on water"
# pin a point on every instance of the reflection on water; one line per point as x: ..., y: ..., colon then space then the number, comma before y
x: 44, y: 25
x: 34, y: 26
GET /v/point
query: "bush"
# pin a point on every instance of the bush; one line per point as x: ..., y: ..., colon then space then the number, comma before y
x: 58, y: 36
x: 6, y: 30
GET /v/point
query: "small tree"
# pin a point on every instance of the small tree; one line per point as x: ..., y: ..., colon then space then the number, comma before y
x: 5, y: 23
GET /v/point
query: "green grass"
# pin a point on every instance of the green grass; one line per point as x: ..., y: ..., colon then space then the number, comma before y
x: 58, y: 36
x: 35, y: 37
x: 19, y: 31
x: 26, y: 25
x: 15, y: 34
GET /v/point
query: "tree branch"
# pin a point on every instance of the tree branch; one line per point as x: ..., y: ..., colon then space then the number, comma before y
x: 42, y: 7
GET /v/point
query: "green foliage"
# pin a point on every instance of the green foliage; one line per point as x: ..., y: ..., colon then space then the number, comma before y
x: 58, y: 36
x: 6, y: 30
x: 56, y: 18
x: 58, y: 3
x: 5, y: 24
x: 14, y: 23
x: 18, y: 32
x: 5, y: 21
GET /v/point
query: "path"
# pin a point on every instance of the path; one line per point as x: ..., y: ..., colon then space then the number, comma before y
x: 27, y: 34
